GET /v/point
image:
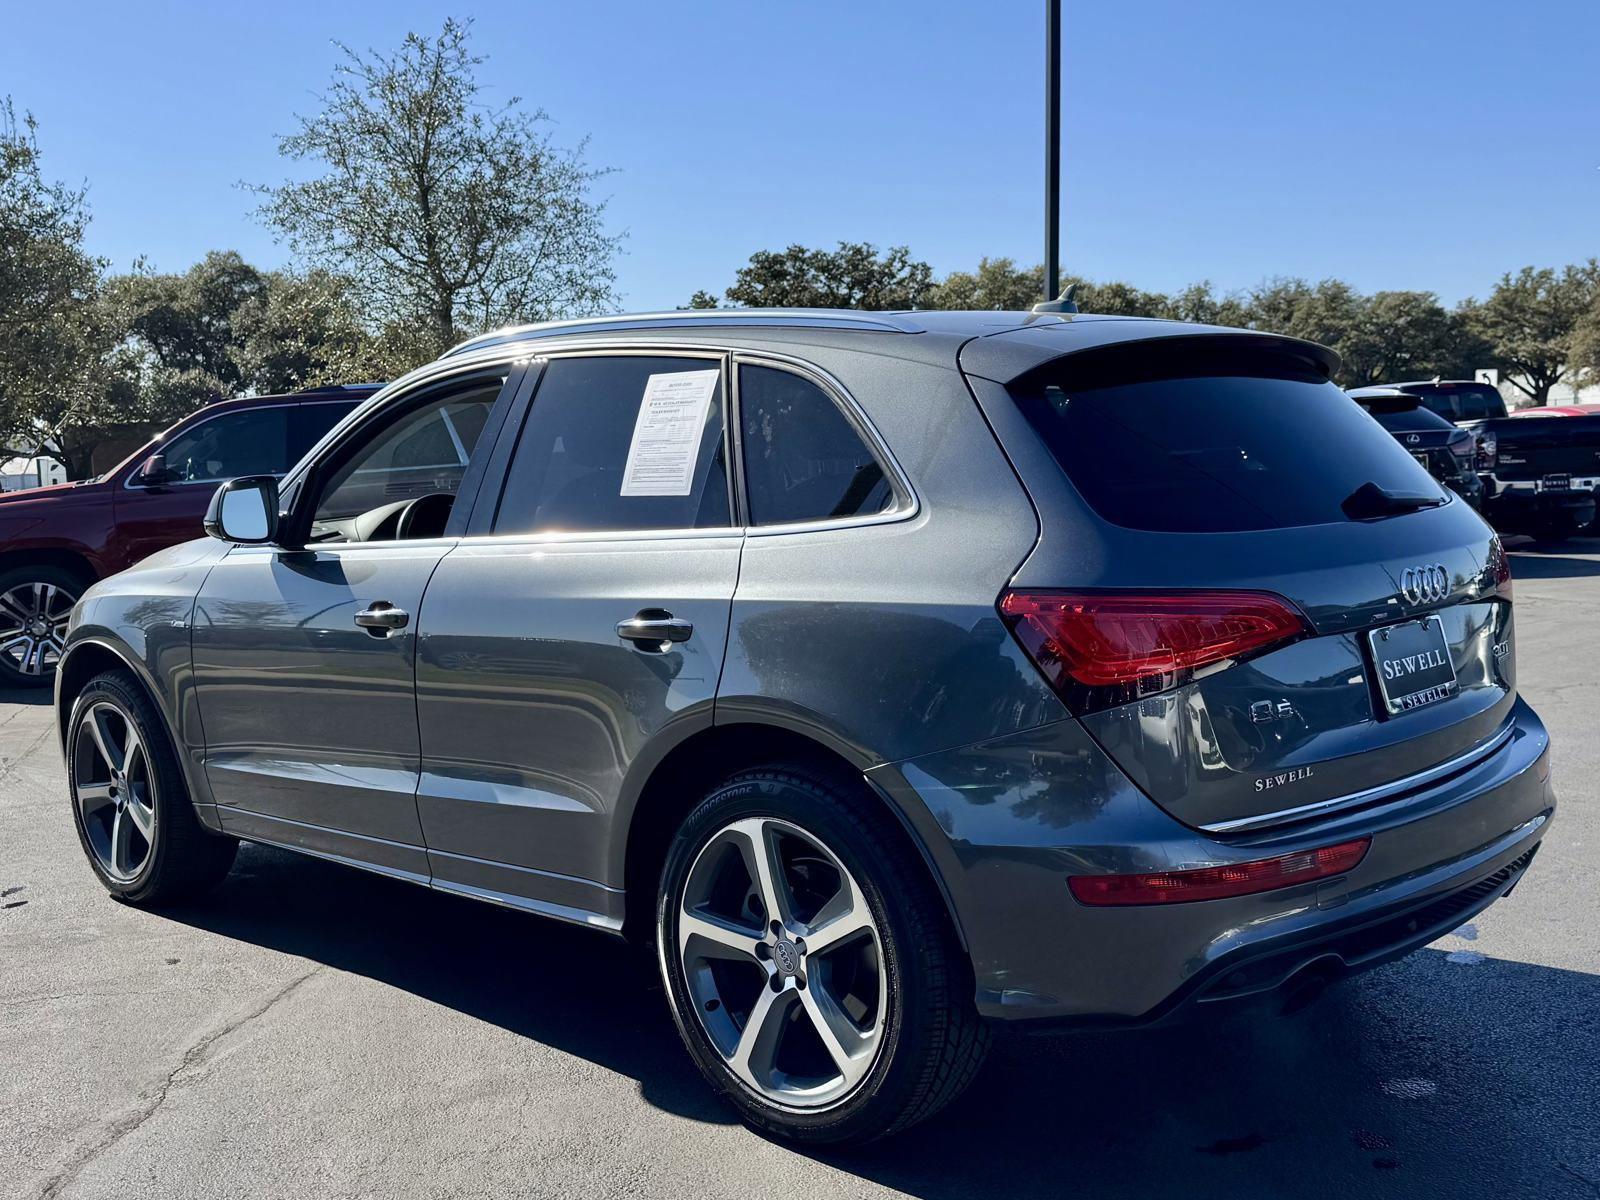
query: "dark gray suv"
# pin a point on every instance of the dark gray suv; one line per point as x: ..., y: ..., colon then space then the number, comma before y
x: 892, y: 675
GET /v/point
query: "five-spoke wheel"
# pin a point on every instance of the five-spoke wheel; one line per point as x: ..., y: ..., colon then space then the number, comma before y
x: 130, y: 800
x: 784, y: 962
x: 809, y: 961
x: 114, y: 790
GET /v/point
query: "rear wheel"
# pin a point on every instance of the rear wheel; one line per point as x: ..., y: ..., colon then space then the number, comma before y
x: 35, y: 602
x: 129, y: 800
x: 808, y: 962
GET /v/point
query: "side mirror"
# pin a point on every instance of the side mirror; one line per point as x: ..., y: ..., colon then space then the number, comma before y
x: 244, y: 511
x: 153, y: 471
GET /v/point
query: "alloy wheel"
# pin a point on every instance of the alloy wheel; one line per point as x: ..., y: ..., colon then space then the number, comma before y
x: 783, y: 963
x: 33, y: 626
x: 114, y: 790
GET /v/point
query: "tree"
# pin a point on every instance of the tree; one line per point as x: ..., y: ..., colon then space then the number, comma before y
x: 1529, y: 321
x: 183, y: 324
x: 1200, y: 304
x: 997, y: 284
x: 1398, y: 335
x: 447, y: 214
x: 50, y: 329
x: 853, y: 276
x: 306, y: 329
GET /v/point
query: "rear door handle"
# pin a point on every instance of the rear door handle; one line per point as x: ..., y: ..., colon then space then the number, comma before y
x: 654, y: 628
x: 381, y: 618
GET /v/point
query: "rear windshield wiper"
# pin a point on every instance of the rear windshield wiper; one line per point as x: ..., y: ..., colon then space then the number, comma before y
x: 1369, y: 501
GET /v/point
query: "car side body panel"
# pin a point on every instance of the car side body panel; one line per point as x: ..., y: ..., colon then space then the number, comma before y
x: 881, y: 640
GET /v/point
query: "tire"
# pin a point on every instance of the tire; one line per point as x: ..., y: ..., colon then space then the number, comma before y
x: 895, y: 997
x: 29, y: 594
x: 134, y: 818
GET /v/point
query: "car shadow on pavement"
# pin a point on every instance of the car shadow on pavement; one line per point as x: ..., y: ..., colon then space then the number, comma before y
x: 38, y: 695
x: 1443, y: 1075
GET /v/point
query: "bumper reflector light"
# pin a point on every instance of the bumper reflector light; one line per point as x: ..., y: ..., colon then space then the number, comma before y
x: 1215, y: 883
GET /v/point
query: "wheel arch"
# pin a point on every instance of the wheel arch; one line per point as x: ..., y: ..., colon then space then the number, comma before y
x: 86, y: 658
x: 62, y: 557
x: 703, y: 759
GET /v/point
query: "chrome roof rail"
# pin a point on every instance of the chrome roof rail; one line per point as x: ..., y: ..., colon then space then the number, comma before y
x: 692, y: 318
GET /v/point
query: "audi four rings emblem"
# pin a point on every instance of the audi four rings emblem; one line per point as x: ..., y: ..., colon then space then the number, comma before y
x: 1425, y: 585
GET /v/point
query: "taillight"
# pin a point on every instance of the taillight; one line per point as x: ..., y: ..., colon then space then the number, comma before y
x: 1499, y: 570
x: 1488, y: 448
x: 1142, y: 642
x: 1215, y: 883
x: 1463, y: 447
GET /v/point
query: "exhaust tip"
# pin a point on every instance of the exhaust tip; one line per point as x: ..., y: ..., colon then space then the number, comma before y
x: 1306, y: 986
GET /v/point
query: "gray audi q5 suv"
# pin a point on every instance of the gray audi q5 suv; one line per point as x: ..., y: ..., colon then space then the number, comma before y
x: 892, y: 675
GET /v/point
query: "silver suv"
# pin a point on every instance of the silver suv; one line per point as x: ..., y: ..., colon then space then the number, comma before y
x: 893, y: 676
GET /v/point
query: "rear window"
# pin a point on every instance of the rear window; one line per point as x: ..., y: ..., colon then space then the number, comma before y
x: 1211, y: 442
x: 1411, y: 420
x: 1460, y: 401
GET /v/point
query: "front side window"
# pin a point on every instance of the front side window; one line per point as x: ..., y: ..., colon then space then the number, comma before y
x: 620, y: 442
x: 252, y: 441
x: 803, y: 459
x: 421, y: 454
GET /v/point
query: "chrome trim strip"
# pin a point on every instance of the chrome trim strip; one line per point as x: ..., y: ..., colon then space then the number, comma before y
x: 543, y: 908
x: 907, y: 503
x: 1369, y: 795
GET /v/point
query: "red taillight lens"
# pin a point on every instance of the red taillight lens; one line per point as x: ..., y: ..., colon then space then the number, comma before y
x: 1500, y: 570
x: 1214, y: 883
x: 1103, y: 641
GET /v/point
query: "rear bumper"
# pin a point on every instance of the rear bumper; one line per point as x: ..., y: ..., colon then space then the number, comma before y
x: 1008, y: 821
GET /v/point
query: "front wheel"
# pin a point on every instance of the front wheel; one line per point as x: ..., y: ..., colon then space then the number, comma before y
x: 129, y: 800
x: 809, y: 964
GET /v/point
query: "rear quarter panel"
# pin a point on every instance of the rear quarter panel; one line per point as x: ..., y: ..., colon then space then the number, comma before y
x: 883, y: 640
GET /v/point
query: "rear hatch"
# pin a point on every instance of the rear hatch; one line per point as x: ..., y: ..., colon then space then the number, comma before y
x: 1528, y: 448
x: 1260, y: 605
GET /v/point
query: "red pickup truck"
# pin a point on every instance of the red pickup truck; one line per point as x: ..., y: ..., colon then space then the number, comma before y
x: 56, y: 541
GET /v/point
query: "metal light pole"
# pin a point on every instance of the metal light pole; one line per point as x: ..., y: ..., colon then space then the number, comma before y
x: 1052, y: 149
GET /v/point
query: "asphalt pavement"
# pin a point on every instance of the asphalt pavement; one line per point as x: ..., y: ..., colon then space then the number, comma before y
x: 315, y: 1031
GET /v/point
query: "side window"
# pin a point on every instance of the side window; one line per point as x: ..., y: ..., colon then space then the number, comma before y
x: 422, y: 452
x: 252, y: 441
x: 803, y: 459
x: 308, y: 422
x: 620, y: 442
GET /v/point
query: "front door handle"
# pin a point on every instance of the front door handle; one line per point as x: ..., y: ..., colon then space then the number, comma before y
x: 381, y: 618
x: 654, y: 629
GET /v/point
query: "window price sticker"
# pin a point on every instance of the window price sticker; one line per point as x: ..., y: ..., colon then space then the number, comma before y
x: 666, y: 435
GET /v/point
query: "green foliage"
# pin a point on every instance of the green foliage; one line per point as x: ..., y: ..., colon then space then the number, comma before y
x: 853, y: 276
x: 1535, y: 324
x: 998, y: 284
x: 447, y: 214
x: 51, y: 319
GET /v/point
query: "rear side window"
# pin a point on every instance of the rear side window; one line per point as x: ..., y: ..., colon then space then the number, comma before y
x: 620, y: 443
x: 803, y: 459
x: 1461, y: 401
x: 1211, y: 442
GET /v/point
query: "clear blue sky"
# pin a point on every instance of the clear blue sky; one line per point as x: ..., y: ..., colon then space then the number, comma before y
x: 1403, y: 143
